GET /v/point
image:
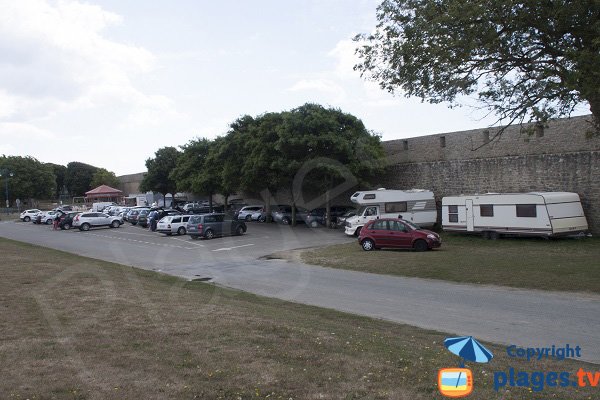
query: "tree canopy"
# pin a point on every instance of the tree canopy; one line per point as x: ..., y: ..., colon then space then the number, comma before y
x: 158, y: 178
x: 529, y: 60
x: 104, y: 177
x: 31, y: 179
x: 78, y: 177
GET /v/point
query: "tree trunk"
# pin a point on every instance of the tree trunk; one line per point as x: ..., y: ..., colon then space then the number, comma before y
x: 595, y: 109
x: 164, y: 200
x: 327, y: 209
x: 210, y: 203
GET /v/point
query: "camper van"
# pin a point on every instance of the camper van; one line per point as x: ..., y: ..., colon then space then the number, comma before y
x: 415, y: 205
x: 545, y: 214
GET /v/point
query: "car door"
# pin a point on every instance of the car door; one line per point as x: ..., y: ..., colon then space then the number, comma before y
x: 378, y: 231
x: 175, y: 224
x: 222, y: 227
x: 101, y: 219
x: 400, y: 234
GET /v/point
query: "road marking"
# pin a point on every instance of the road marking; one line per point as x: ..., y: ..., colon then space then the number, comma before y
x: 188, y: 242
x: 234, y: 247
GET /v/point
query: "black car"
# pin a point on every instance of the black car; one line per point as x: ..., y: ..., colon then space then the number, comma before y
x: 212, y: 225
x: 66, y: 220
x: 318, y: 216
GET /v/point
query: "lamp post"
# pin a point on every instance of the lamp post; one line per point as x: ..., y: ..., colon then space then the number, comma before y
x: 6, y: 174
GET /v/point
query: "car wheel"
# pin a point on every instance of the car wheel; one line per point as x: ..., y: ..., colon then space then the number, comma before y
x: 85, y: 227
x: 115, y: 224
x: 314, y: 224
x: 209, y: 234
x: 248, y: 218
x: 239, y: 231
x: 67, y: 226
x: 26, y: 219
x: 181, y: 231
x: 285, y: 221
x: 367, y: 245
x: 48, y: 222
x: 420, y: 245
x: 262, y: 218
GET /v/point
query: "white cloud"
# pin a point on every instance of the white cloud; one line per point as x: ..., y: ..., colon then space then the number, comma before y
x: 54, y: 58
x: 344, y: 52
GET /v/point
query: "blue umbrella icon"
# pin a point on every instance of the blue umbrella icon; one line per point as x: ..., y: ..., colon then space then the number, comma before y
x: 469, y: 349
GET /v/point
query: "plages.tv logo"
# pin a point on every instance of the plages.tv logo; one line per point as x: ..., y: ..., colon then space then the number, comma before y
x: 458, y: 382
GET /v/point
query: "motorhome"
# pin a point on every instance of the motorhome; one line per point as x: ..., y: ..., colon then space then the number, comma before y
x: 544, y: 214
x: 415, y: 205
x: 97, y: 207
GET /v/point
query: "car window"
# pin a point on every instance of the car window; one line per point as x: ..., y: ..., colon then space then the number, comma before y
x: 209, y: 218
x: 186, y: 219
x: 176, y: 220
x: 219, y: 218
x: 370, y: 211
x: 398, y: 226
x: 195, y: 220
x: 379, y: 225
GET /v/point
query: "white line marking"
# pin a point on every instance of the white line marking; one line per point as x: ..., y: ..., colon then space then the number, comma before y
x: 234, y: 247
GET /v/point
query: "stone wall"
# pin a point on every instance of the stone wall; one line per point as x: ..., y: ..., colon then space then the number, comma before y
x: 561, y: 158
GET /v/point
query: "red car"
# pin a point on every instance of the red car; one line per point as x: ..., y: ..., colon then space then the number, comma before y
x: 397, y: 233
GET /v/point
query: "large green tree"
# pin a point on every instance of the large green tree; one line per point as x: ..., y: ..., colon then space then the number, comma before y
x: 527, y: 60
x: 158, y: 178
x: 30, y: 179
x: 104, y: 177
x: 60, y: 172
x: 78, y: 177
x: 198, y: 170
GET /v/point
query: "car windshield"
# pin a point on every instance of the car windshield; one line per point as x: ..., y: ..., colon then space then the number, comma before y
x: 413, y: 226
x: 361, y: 210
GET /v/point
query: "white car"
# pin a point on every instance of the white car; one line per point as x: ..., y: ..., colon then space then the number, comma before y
x: 47, y: 217
x: 173, y: 224
x: 87, y: 220
x: 28, y: 215
x: 250, y: 213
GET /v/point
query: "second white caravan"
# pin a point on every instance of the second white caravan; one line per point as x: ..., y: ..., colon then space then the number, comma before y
x: 525, y: 214
x: 415, y: 205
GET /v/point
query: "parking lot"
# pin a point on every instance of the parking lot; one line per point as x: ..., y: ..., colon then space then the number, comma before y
x: 133, y: 245
x: 237, y: 262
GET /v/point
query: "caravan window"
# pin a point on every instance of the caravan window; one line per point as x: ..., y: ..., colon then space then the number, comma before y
x: 399, y: 206
x: 369, y: 196
x: 526, y: 210
x: 486, y: 210
x: 452, y: 213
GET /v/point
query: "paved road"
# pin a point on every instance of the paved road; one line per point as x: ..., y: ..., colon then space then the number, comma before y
x: 501, y: 315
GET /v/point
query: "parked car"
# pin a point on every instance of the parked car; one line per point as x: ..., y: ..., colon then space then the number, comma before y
x: 66, y: 221
x: 173, y: 224
x: 142, y: 218
x: 27, y: 215
x: 318, y: 216
x: 396, y: 233
x: 47, y: 217
x: 341, y: 221
x: 65, y: 208
x: 250, y: 213
x: 212, y: 225
x: 283, y: 215
x: 87, y: 220
x: 132, y: 215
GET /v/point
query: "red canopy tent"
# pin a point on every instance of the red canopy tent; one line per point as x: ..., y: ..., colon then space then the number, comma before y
x: 104, y: 193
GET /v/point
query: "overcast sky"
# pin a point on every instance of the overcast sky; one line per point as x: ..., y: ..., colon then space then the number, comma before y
x: 108, y: 82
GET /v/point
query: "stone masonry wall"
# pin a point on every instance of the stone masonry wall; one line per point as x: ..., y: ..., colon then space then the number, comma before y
x: 563, y: 159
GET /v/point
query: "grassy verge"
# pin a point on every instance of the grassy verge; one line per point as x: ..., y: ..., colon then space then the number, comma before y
x: 78, y: 328
x: 566, y: 264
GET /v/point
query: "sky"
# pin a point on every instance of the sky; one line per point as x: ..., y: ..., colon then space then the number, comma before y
x: 108, y: 82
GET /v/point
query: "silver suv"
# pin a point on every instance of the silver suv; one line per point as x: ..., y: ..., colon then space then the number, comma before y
x: 85, y: 221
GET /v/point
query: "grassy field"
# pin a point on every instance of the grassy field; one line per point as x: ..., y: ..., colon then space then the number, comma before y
x: 77, y: 328
x: 565, y: 264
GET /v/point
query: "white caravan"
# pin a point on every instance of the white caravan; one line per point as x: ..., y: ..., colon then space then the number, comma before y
x: 525, y: 214
x: 415, y: 205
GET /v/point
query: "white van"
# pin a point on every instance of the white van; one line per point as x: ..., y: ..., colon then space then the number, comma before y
x: 98, y: 207
x: 544, y: 214
x: 415, y: 205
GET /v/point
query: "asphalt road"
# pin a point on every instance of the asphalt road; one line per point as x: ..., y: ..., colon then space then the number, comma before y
x: 507, y: 316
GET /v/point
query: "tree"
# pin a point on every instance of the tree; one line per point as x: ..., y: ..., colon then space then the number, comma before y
x: 60, y: 172
x: 324, y: 148
x: 526, y: 59
x: 197, y: 169
x: 104, y: 177
x: 158, y: 178
x: 31, y: 179
x: 78, y: 177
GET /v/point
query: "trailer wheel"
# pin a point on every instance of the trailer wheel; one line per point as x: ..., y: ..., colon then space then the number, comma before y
x: 485, y: 234
x: 493, y: 235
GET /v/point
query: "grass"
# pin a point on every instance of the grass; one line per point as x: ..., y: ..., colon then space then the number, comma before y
x: 78, y: 328
x: 565, y: 264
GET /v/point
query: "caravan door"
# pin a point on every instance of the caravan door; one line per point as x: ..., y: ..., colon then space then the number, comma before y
x: 469, y: 214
